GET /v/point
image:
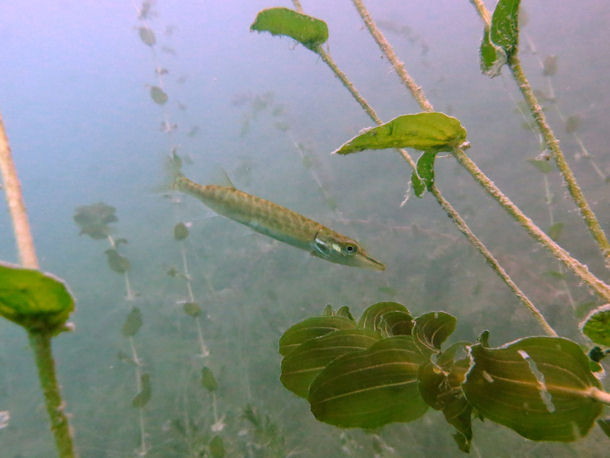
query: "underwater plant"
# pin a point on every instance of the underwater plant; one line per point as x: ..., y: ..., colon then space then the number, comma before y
x: 388, y: 366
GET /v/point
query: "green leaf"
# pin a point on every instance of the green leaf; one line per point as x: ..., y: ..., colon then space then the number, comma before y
x: 500, y: 41
x: 425, y: 169
x: 604, y: 424
x: 418, y: 185
x: 422, y: 131
x: 191, y: 309
x: 302, y: 365
x: 537, y: 386
x: 370, y: 388
x: 596, y: 325
x: 142, y: 398
x: 133, y: 323
x: 158, y: 96
x: 180, y: 231
x: 147, y: 36
x: 217, y: 448
x: 208, y: 381
x: 307, y: 30
x: 93, y: 219
x: 542, y: 165
x: 310, y: 329
x: 387, y: 318
x: 458, y: 413
x: 555, y: 231
x: 37, y: 301
x: 345, y: 313
x: 432, y: 329
x: 116, y: 262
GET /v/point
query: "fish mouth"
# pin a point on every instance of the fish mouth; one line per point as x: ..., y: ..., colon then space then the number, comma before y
x: 362, y: 260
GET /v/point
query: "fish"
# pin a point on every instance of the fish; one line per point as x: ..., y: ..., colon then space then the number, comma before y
x: 278, y: 222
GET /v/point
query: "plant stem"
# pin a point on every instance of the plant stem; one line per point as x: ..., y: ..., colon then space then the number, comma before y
x: 41, y: 346
x: 491, y: 260
x: 40, y: 342
x: 425, y: 104
x: 560, y: 160
x: 600, y: 395
x: 582, y: 271
x: 14, y: 199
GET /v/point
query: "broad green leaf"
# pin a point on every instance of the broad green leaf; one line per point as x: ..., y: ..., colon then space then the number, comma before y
x: 542, y: 165
x: 418, y: 185
x: 158, y: 95
x: 537, y: 386
x: 180, y: 231
x: 604, y: 424
x: 458, y: 413
x: 116, y: 262
x: 372, y: 317
x: 431, y: 329
x: 302, y: 365
x: 37, y: 301
x: 142, y: 398
x: 596, y: 325
x: 217, y: 448
x: 307, y: 30
x: 422, y: 131
x: 191, y: 309
x: 504, y: 30
x: 555, y: 231
x: 370, y: 388
x: 208, y: 381
x: 147, y: 36
x: 133, y: 323
x: 501, y: 39
x: 345, y: 313
x: 396, y: 323
x: 310, y: 329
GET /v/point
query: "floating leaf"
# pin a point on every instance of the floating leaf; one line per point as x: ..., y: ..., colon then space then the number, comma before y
x: 116, y: 262
x: 37, y: 301
x: 191, y: 309
x: 147, y: 36
x: 217, y: 448
x: 572, y: 124
x: 302, y: 365
x: 542, y: 165
x: 537, y: 386
x: 549, y: 66
x: 157, y: 94
x: 370, y: 388
x: 180, y: 231
x: 555, y: 231
x: 596, y: 326
x: 422, y: 131
x: 432, y: 329
x: 142, y: 398
x: 307, y: 30
x: 208, y: 381
x: 133, y: 323
x: 93, y: 219
x: 311, y: 328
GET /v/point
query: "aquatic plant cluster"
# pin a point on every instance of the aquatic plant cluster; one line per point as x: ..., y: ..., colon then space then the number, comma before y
x: 389, y: 365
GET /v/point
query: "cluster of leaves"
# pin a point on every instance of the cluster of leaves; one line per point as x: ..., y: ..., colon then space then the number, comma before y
x: 93, y: 219
x: 390, y: 367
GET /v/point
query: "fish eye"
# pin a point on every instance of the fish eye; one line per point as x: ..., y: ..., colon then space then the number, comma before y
x: 350, y: 248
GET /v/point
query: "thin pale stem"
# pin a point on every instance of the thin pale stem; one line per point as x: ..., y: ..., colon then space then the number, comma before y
x: 41, y: 345
x: 16, y: 205
x: 579, y: 269
x: 600, y: 395
x: 495, y: 265
x: 553, y: 144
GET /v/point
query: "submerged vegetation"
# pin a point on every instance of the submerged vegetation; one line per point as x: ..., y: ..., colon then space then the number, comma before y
x: 389, y: 366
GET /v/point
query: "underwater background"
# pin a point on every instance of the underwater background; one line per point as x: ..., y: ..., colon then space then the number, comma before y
x: 75, y: 82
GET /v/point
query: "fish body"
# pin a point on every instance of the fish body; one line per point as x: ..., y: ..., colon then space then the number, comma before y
x: 279, y: 222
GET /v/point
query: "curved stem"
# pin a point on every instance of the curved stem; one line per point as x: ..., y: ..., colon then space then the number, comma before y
x: 41, y: 345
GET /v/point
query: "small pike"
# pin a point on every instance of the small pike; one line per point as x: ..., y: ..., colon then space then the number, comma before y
x: 279, y: 223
